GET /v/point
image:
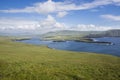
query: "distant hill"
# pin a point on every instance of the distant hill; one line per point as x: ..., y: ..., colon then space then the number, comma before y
x: 84, y: 36
x: 70, y: 33
x: 109, y: 33
x: 113, y: 33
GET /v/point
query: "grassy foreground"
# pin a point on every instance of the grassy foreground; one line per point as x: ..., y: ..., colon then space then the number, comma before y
x: 20, y: 61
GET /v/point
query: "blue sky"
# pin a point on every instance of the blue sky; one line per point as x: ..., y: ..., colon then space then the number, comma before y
x: 50, y: 15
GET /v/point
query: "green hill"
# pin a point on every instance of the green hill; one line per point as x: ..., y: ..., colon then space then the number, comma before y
x: 68, y: 35
x: 113, y: 33
x: 20, y: 61
x: 109, y: 33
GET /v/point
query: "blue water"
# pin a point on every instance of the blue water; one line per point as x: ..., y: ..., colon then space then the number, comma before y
x: 81, y: 46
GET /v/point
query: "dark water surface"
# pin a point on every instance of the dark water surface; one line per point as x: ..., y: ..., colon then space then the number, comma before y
x: 81, y: 46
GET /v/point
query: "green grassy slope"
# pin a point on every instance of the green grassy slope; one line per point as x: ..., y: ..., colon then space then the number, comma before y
x: 66, y: 35
x: 20, y: 61
x: 69, y: 33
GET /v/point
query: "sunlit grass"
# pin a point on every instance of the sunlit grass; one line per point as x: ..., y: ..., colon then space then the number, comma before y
x: 20, y: 61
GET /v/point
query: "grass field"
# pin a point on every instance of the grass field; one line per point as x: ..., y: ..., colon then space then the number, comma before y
x: 20, y: 61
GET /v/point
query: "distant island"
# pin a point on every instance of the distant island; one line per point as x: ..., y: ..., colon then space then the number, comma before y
x: 80, y: 36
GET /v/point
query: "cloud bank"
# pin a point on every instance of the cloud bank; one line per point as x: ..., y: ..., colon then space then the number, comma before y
x: 111, y: 17
x: 46, y: 25
x: 91, y: 27
x: 61, y: 8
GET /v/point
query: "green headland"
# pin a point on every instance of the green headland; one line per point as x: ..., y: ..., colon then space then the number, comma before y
x: 19, y: 61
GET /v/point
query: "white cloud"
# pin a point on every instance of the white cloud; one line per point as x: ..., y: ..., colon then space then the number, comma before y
x: 91, y: 27
x: 61, y: 14
x: 50, y: 22
x: 6, y: 24
x: 111, y: 17
x: 44, y: 8
x: 97, y: 3
x: 46, y: 25
x: 61, y: 7
x: 14, y: 25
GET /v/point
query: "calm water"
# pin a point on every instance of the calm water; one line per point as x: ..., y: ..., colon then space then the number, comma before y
x: 81, y: 46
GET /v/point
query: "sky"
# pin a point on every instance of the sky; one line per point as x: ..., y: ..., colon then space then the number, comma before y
x: 40, y: 16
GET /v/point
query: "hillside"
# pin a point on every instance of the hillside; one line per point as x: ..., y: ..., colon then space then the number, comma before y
x: 68, y: 35
x: 113, y: 33
x: 109, y: 33
x: 20, y: 61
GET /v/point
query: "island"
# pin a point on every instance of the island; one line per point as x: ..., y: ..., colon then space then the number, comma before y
x: 81, y: 36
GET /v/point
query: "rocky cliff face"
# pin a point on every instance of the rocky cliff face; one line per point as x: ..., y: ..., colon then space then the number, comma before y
x: 113, y: 33
x: 109, y: 33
